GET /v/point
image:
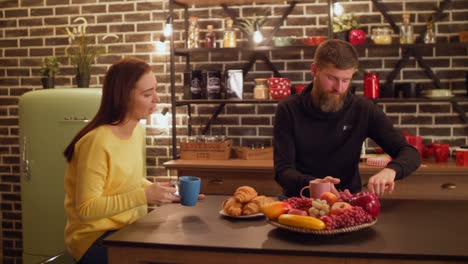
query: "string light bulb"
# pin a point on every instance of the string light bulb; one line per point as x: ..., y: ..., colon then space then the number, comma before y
x: 337, y: 9
x: 257, y: 36
x: 168, y: 28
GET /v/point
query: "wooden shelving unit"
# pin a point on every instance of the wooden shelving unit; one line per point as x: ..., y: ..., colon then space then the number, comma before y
x: 230, y: 2
x: 259, y: 53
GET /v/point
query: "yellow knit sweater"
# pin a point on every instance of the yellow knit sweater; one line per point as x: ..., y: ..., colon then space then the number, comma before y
x: 104, y: 184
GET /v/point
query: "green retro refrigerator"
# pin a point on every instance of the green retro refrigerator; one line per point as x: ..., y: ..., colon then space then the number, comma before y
x: 48, y: 121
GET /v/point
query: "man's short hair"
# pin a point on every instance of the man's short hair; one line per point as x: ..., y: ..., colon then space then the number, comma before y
x: 340, y: 54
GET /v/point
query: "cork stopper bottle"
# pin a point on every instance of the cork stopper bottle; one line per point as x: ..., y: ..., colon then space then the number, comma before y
x: 406, y: 30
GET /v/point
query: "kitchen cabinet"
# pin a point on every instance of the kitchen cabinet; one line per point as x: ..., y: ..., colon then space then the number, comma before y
x: 260, y: 53
x: 431, y: 181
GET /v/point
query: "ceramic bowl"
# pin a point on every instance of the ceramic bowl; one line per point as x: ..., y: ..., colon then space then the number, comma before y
x: 283, y: 41
x: 314, y: 40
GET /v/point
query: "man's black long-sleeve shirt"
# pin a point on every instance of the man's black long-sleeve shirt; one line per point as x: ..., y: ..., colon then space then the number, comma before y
x: 309, y: 143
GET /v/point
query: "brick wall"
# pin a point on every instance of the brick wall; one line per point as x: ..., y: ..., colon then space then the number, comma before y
x: 31, y: 30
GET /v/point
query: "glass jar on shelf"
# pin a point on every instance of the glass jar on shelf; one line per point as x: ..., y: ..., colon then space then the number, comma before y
x: 261, y: 89
x: 229, y: 36
x: 429, y: 37
x: 210, y: 37
x: 193, y: 33
x: 406, y: 30
x: 382, y: 36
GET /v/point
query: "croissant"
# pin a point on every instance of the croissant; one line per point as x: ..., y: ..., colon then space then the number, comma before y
x: 232, y: 207
x: 244, y: 194
x: 254, y: 206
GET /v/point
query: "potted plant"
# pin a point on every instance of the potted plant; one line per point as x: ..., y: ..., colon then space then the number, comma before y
x: 343, y: 24
x: 49, y: 68
x: 252, y: 28
x: 81, y: 53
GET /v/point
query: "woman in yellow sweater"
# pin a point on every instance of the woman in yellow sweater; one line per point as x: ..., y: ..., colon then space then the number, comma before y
x: 105, y: 184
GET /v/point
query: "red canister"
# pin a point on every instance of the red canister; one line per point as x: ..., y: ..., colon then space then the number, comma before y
x: 371, y: 85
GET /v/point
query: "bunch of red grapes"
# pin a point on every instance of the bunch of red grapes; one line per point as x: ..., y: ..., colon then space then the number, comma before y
x: 346, y: 195
x: 301, y: 203
x: 350, y: 217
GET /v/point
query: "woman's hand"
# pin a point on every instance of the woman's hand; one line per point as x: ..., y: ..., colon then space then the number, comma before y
x: 160, y: 192
x: 333, y: 181
x: 164, y: 192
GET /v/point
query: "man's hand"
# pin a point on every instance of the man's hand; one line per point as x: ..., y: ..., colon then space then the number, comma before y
x: 333, y: 181
x: 382, y: 182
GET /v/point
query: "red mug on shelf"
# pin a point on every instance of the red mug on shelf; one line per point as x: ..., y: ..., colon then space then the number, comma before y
x: 461, y: 157
x: 428, y: 151
x: 441, y: 152
x: 416, y: 141
x: 371, y: 85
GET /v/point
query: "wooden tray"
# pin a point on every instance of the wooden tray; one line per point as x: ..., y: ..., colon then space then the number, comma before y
x: 253, y: 154
x: 206, y: 150
x: 322, y: 232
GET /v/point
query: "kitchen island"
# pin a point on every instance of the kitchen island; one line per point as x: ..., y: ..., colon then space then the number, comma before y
x: 407, y: 231
x: 430, y: 181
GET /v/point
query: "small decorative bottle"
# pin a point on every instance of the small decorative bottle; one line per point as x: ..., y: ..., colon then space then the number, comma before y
x: 210, y: 37
x: 406, y: 30
x: 429, y: 37
x: 193, y: 33
x: 229, y: 38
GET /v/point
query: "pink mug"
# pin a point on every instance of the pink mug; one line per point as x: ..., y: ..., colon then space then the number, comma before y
x: 317, y: 188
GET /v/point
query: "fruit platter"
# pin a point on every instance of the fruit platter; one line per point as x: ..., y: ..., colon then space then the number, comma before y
x: 328, y: 215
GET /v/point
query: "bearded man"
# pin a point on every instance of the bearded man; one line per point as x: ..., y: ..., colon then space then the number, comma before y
x: 318, y: 133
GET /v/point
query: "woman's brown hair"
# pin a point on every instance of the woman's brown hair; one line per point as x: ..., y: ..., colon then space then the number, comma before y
x: 119, y: 82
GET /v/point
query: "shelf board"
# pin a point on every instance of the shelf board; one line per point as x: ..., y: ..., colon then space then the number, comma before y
x: 269, y: 48
x: 225, y: 101
x: 256, y: 101
x: 229, y: 2
x: 421, y: 100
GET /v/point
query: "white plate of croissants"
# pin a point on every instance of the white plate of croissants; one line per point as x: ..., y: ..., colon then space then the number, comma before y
x: 246, y: 203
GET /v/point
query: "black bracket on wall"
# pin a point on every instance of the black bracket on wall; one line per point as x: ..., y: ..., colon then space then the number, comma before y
x: 460, y: 110
x: 384, y: 11
x: 256, y: 56
x: 412, y: 50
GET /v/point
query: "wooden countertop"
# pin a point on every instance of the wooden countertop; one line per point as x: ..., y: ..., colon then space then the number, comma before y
x: 406, y: 229
x: 267, y: 166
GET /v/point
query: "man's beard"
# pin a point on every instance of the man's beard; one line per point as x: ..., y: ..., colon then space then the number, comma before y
x: 329, y: 102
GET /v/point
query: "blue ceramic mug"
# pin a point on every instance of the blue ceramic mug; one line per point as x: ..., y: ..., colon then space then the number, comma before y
x: 189, y: 189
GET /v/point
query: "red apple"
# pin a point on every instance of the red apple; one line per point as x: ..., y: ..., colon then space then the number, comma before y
x: 330, y: 197
x: 357, y: 37
x: 295, y: 211
x: 339, y: 207
x: 368, y: 201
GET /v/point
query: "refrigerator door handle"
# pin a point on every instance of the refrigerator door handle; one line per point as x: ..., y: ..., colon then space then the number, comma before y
x: 25, y: 162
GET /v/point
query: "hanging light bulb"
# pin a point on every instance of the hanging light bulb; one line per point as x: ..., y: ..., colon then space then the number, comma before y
x: 161, y: 46
x: 167, y: 31
x: 337, y: 9
x: 257, y: 36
